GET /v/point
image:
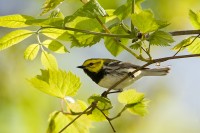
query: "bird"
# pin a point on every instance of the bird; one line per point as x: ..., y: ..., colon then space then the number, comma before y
x: 107, y: 72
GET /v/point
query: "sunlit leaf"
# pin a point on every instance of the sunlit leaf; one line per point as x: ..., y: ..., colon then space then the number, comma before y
x: 112, y: 44
x: 183, y: 44
x: 31, y: 51
x: 194, y: 47
x: 56, y: 83
x: 56, y: 22
x: 78, y: 106
x: 82, y: 39
x: 58, y: 120
x: 160, y: 38
x: 130, y: 96
x: 56, y: 14
x: 111, y: 16
x: 56, y: 33
x: 49, y: 61
x: 139, y: 108
x: 15, y: 21
x: 91, y: 9
x: 13, y: 38
x: 145, y: 21
x: 49, y: 5
x: 126, y: 9
x: 195, y: 19
x: 192, y: 44
x: 104, y: 104
x: 55, y: 46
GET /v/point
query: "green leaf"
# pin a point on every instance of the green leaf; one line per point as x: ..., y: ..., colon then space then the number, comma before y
x: 130, y: 96
x: 82, y: 39
x: 49, y: 5
x: 136, y: 45
x: 103, y: 104
x: 145, y: 21
x: 56, y: 14
x: 55, y: 46
x: 78, y: 106
x: 192, y: 44
x: 15, y: 21
x: 31, y: 51
x: 56, y: 83
x: 111, y: 16
x: 125, y: 10
x: 49, y: 61
x: 195, y: 19
x: 91, y: 9
x: 112, y: 44
x: 58, y: 120
x: 183, y: 44
x: 56, y: 34
x: 160, y: 38
x: 139, y: 108
x: 55, y: 22
x: 194, y: 47
x: 13, y: 38
x: 162, y: 24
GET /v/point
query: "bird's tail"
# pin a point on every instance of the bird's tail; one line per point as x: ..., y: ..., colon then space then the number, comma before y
x: 156, y: 71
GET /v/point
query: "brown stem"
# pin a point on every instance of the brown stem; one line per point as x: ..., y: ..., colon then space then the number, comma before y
x: 184, y: 32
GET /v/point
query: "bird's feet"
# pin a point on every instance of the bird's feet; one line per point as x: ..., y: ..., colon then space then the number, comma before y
x: 105, y: 93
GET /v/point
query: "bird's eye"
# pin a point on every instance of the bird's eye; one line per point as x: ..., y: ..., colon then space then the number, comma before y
x: 91, y: 64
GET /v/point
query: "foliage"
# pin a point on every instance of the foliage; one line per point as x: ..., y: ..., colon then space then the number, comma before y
x: 86, y: 27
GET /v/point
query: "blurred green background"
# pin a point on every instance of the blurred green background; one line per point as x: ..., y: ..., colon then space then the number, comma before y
x: 175, y: 100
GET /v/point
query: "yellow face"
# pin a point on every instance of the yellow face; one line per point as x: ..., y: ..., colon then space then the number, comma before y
x: 93, y: 65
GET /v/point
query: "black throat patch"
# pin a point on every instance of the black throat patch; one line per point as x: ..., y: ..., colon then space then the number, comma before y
x: 96, y: 77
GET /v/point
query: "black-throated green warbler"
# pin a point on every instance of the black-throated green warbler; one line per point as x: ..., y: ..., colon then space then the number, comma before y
x: 106, y: 72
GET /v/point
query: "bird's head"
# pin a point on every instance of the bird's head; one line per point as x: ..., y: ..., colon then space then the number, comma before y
x: 92, y: 65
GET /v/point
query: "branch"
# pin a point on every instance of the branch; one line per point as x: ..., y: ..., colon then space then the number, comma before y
x: 184, y: 32
x: 76, y: 118
x: 159, y: 60
x: 107, y: 118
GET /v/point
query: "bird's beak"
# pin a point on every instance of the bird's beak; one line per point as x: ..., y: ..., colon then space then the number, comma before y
x: 82, y: 67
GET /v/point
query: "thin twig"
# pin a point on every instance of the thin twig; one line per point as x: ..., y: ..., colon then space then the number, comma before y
x: 75, y: 118
x: 119, y: 114
x: 107, y: 118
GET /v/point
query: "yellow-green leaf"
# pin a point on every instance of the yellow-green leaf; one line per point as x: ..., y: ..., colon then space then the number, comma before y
x: 195, y: 19
x: 112, y: 44
x: 15, y: 21
x: 58, y: 120
x: 49, y: 61
x: 13, y: 38
x: 183, y: 44
x: 145, y: 21
x: 160, y: 38
x: 139, y: 108
x: 194, y: 47
x: 130, y: 96
x: 56, y: 33
x: 55, y: 46
x: 57, y: 83
x: 103, y: 103
x: 31, y: 51
x: 49, y: 5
